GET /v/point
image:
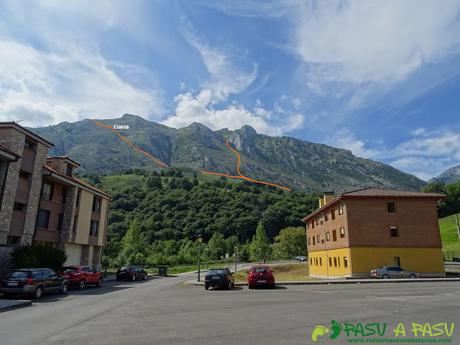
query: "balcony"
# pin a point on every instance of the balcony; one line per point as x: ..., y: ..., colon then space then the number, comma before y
x: 22, y: 191
x: 17, y: 223
x: 28, y: 160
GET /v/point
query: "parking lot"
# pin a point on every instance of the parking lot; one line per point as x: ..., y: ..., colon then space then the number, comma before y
x: 165, y: 311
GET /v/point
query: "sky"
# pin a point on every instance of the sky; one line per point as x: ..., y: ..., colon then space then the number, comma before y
x: 379, y: 78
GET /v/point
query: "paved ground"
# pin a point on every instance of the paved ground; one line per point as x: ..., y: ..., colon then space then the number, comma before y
x: 165, y: 311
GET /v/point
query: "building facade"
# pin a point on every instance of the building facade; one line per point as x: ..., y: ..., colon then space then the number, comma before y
x: 42, y: 202
x: 353, y: 233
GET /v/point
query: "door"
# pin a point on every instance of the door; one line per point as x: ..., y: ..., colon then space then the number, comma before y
x: 52, y: 282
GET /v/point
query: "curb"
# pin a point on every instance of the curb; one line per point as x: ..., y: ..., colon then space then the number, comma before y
x: 6, y: 305
x: 347, y: 281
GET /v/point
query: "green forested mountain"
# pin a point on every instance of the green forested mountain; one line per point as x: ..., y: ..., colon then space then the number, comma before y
x: 177, y: 206
x: 295, y: 163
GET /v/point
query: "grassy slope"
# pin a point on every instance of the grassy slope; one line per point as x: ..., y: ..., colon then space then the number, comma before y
x: 287, y: 272
x: 118, y: 182
x: 450, y: 241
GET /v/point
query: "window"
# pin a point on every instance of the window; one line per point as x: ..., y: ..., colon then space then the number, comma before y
x: 75, y: 224
x: 24, y: 175
x: 397, y: 261
x: 341, y: 209
x: 394, y: 232
x: 64, y: 195
x: 68, y: 170
x: 330, y: 261
x: 325, y: 216
x: 391, y: 207
x: 60, y: 222
x: 334, y: 235
x: 320, y: 262
x: 43, y: 219
x: 94, y: 227
x: 317, y: 239
x: 328, y: 236
x: 333, y: 214
x: 335, y: 262
x: 342, y: 232
x: 312, y: 224
x: 309, y: 241
x: 13, y: 240
x: 317, y: 221
x: 314, y: 240
x: 311, y: 261
x: 96, y: 204
x: 18, y: 206
x: 78, y: 197
x: 338, y: 261
x: 47, y: 191
x: 345, y: 262
x: 29, y: 144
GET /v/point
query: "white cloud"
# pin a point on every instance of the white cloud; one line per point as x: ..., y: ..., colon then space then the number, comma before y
x: 346, y: 139
x: 198, y: 108
x: 226, y: 77
x: 46, y: 88
x: 379, y: 42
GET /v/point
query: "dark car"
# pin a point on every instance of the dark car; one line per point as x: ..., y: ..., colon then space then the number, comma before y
x: 34, y: 282
x: 260, y: 276
x: 393, y: 272
x: 132, y: 273
x: 219, y: 277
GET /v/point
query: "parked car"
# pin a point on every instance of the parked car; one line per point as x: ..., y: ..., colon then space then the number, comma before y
x: 33, y: 282
x: 259, y: 276
x: 387, y: 272
x: 82, y: 276
x: 219, y: 277
x: 132, y: 273
x: 300, y: 258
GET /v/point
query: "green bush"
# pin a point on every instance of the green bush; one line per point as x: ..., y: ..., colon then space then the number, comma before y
x: 38, y: 256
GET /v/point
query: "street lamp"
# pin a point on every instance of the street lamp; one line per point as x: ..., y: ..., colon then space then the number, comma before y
x: 199, y: 254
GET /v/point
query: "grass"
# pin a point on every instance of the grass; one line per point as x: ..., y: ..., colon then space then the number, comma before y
x: 119, y: 182
x: 285, y: 272
x: 449, y: 237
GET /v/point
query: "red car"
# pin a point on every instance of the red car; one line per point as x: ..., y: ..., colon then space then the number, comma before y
x: 82, y: 276
x: 260, y: 276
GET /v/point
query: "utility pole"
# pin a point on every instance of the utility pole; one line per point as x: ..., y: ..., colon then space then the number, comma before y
x: 458, y: 225
x: 236, y: 252
x: 199, y: 254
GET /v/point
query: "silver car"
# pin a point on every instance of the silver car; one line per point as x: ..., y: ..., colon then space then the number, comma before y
x: 387, y: 272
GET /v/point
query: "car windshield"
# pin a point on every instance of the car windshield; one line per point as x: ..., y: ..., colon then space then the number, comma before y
x: 125, y: 269
x: 217, y: 271
x: 260, y: 270
x: 69, y: 269
x: 19, y: 274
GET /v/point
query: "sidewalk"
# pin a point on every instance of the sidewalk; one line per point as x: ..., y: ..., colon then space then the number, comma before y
x: 8, y: 304
x: 347, y: 281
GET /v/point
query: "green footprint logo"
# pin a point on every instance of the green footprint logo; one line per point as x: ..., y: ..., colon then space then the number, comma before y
x: 318, y: 331
x: 336, y: 329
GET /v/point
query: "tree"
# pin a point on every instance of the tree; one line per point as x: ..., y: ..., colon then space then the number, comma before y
x: 154, y: 182
x: 216, y: 246
x: 260, y: 246
x: 134, y: 249
x: 38, y: 256
x: 291, y: 242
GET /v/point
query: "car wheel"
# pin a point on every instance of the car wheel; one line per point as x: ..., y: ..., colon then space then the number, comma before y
x: 250, y: 286
x: 412, y: 276
x: 385, y: 276
x: 118, y: 279
x: 38, y: 292
x: 64, y: 288
x: 146, y: 277
x: 133, y: 278
x: 206, y: 287
x: 100, y: 282
x: 229, y: 286
x: 82, y: 284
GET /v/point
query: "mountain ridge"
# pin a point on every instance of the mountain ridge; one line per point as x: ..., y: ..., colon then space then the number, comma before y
x: 450, y: 175
x: 293, y: 162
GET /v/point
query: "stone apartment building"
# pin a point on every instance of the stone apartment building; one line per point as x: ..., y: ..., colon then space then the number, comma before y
x: 355, y: 232
x: 42, y: 202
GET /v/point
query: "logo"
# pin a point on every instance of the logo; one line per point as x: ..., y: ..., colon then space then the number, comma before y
x: 382, y: 332
x: 120, y: 126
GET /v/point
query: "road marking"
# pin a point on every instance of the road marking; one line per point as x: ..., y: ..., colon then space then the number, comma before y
x: 387, y: 298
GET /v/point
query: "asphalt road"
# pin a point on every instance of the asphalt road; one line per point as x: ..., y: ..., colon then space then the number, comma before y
x: 165, y: 311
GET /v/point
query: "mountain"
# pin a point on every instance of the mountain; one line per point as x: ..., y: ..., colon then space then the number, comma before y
x: 451, y: 175
x: 283, y: 160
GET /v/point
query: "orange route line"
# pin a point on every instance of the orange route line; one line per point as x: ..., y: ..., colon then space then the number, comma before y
x: 240, y: 175
x: 138, y: 149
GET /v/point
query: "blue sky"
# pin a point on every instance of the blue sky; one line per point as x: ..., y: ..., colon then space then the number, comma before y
x: 381, y: 79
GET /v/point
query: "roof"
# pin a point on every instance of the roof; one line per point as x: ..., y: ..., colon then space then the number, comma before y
x: 26, y: 132
x: 6, y: 153
x: 375, y: 193
x: 66, y: 158
x: 73, y: 180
